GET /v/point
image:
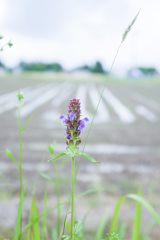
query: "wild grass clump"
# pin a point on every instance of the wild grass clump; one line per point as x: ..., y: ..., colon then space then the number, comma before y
x: 75, y: 228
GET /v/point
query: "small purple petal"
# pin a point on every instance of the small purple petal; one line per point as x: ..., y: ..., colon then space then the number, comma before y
x: 61, y: 117
x: 72, y: 116
x: 86, y: 119
x: 68, y: 136
x: 65, y: 121
x: 81, y: 127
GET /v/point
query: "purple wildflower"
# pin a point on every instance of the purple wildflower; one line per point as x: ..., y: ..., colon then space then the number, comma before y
x: 75, y: 125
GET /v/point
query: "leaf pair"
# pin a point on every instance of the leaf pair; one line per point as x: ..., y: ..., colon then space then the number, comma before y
x: 81, y: 154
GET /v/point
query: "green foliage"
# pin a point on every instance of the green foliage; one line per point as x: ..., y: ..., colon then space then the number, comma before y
x: 19, y: 217
x: 58, y: 156
x: 10, y: 155
x: 87, y: 156
x: 137, y: 222
x: 148, y: 71
x: 34, y: 229
x: 20, y: 95
x: 100, y: 230
x: 97, y: 68
x: 44, y: 175
x: 55, y: 67
x: 45, y: 215
x: 26, y: 124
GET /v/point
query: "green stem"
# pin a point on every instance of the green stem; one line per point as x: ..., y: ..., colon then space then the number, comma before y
x: 58, y: 197
x: 20, y: 162
x: 72, y: 197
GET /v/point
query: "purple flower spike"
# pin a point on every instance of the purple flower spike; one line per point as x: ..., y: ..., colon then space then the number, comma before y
x: 68, y: 136
x: 74, y: 125
x: 72, y: 116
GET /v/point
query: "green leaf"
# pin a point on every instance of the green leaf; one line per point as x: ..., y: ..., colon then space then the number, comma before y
x: 68, y: 226
x: 26, y: 124
x: 44, y: 219
x: 46, y: 177
x: 10, y: 44
x: 54, y: 234
x: 87, y: 156
x: 137, y: 222
x: 66, y: 237
x: 19, y: 217
x: 77, y: 227
x: 51, y: 150
x: 116, y: 213
x: 58, y: 156
x: 34, y: 229
x: 146, y: 205
x: 100, y: 230
x: 64, y: 161
x: 1, y: 37
x: 9, y: 154
x: 51, y: 210
x: 137, y: 198
x: 65, y: 222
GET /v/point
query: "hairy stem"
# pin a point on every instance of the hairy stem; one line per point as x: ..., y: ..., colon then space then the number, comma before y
x: 20, y: 163
x: 72, y: 197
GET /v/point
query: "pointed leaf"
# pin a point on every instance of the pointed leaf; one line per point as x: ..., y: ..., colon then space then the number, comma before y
x: 68, y: 226
x: 46, y: 177
x: 137, y: 222
x: 77, y: 227
x: 88, y: 157
x: 100, y: 230
x: 66, y: 237
x: 9, y: 154
x: 26, y: 124
x: 34, y: 228
x: 44, y: 219
x: 58, y: 156
x: 54, y: 234
x: 19, y: 216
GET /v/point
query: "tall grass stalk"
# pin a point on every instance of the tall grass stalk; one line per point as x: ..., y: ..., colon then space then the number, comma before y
x: 20, y: 159
x: 51, y: 149
x: 114, y: 59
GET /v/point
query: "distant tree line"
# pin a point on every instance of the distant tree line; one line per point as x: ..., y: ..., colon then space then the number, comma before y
x: 55, y: 67
x: 136, y: 72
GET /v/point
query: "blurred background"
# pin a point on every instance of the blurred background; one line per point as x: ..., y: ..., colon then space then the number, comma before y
x: 63, y: 50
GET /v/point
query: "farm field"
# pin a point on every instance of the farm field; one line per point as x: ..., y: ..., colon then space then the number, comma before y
x: 125, y: 138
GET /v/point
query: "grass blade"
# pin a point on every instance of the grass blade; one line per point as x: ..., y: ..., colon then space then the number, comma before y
x: 58, y: 156
x: 34, y: 229
x: 44, y: 219
x: 100, y: 230
x: 146, y: 205
x: 19, y: 216
x: 44, y: 175
x: 51, y: 210
x: 116, y: 214
x: 137, y: 222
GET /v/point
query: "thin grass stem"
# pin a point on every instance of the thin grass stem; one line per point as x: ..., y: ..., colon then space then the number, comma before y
x: 20, y: 162
x: 58, y: 197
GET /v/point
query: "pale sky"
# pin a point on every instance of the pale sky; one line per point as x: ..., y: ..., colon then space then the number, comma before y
x: 77, y: 32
